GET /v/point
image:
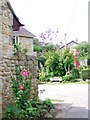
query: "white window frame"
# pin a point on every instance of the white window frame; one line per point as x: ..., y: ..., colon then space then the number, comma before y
x: 16, y: 38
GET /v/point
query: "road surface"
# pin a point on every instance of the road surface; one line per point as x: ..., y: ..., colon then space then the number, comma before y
x: 74, y: 99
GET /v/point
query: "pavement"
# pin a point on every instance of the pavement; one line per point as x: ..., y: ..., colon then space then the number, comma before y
x: 71, y: 100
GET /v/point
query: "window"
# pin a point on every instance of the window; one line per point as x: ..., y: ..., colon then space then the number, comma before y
x: 15, y: 40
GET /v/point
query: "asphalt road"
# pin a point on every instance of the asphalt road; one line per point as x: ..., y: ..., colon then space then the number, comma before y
x: 74, y: 98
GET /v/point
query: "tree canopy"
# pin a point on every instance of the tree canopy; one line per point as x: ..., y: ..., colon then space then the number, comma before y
x: 83, y: 48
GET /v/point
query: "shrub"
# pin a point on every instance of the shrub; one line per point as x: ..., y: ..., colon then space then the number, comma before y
x: 42, y: 76
x: 85, y: 73
x: 67, y: 78
x: 82, y: 67
x: 41, y: 61
x: 88, y: 62
x: 75, y: 73
x: 37, y: 48
x: 31, y: 109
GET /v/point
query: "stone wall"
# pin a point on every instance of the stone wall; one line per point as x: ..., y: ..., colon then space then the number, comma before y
x: 8, y: 61
x: 6, y: 26
x: 6, y: 23
x: 8, y: 70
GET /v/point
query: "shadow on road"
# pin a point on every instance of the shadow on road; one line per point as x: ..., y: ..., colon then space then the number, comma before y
x: 67, y: 110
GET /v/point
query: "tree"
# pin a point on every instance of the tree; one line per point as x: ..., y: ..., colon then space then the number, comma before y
x: 49, y: 36
x: 41, y: 61
x: 68, y: 59
x: 49, y: 47
x: 44, y: 48
x: 83, y: 49
x: 58, y: 65
x: 52, y: 63
x: 38, y: 48
x: 35, y: 41
x: 84, y: 52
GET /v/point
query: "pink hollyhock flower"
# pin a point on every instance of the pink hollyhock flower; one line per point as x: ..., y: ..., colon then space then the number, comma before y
x: 21, y: 87
x: 24, y: 73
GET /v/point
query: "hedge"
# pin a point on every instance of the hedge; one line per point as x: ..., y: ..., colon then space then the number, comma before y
x: 85, y: 74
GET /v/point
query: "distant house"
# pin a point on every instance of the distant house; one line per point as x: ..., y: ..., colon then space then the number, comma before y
x: 25, y: 38
x: 71, y: 44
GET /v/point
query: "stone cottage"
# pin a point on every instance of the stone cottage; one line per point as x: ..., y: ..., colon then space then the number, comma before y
x: 9, y: 22
x: 25, y: 38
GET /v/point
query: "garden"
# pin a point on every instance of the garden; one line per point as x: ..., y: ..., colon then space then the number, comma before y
x: 22, y: 106
x: 51, y: 63
x: 54, y: 63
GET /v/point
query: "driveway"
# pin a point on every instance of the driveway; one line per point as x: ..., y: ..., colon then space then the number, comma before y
x: 74, y: 99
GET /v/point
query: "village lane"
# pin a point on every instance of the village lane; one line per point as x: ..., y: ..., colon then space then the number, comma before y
x: 72, y: 99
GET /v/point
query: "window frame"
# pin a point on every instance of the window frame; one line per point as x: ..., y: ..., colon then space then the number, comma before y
x: 16, y: 40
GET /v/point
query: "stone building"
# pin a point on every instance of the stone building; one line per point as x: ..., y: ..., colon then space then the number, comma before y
x: 9, y: 22
x: 25, y: 38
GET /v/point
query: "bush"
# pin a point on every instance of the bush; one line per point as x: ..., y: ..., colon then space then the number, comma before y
x: 75, y: 73
x: 37, y: 48
x: 42, y: 76
x: 34, y: 110
x: 82, y: 67
x: 67, y: 78
x: 41, y: 61
x: 85, y: 74
x: 88, y: 62
x: 72, y: 76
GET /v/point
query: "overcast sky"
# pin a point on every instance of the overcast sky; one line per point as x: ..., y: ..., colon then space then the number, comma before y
x: 69, y: 16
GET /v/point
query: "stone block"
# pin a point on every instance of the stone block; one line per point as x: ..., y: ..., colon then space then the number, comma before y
x: 7, y: 79
x: 7, y: 69
x: 13, y: 69
x: 6, y: 40
x: 1, y: 74
x: 1, y: 68
x: 0, y: 11
x: 1, y: 62
x: 21, y: 63
x: 9, y: 64
x: 21, y: 56
x: 0, y: 20
x: 7, y: 73
x: 10, y: 21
